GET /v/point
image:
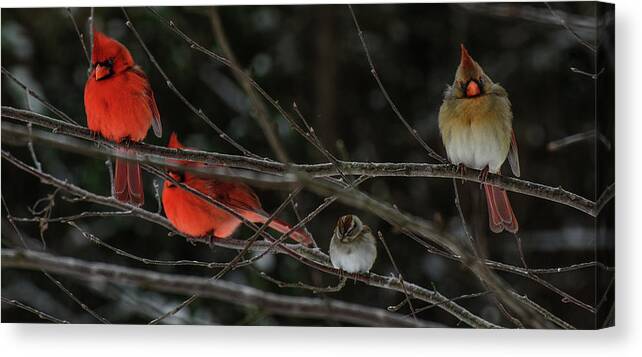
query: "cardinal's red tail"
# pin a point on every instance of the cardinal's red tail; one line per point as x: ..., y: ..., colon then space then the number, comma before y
x: 500, y: 212
x: 280, y: 226
x: 128, y: 184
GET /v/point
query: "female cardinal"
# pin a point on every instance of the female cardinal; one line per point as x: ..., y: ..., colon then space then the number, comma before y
x: 196, y: 217
x: 476, y: 125
x: 120, y: 105
x: 353, y: 247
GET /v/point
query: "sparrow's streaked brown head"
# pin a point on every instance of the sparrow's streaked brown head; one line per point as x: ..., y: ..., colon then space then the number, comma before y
x: 348, y: 228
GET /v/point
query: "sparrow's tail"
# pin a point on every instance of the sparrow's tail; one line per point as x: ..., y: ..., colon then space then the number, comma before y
x: 298, y: 235
x: 500, y: 212
x: 128, y: 184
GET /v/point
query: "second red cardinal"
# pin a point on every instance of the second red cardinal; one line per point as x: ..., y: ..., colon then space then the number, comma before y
x: 120, y: 105
x: 196, y: 217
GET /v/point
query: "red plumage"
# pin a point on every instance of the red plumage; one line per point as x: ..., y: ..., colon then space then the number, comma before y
x: 120, y: 105
x: 194, y: 216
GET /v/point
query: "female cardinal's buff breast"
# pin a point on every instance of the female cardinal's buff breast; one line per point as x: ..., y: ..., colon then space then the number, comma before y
x: 194, y: 216
x: 119, y: 101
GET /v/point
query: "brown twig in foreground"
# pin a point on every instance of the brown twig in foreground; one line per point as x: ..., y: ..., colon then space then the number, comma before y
x: 216, y: 289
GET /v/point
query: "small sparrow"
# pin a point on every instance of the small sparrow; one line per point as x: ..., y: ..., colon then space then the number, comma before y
x: 476, y: 125
x: 353, y: 247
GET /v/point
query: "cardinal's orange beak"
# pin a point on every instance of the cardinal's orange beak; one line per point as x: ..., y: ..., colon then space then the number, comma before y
x: 472, y: 89
x: 102, y: 72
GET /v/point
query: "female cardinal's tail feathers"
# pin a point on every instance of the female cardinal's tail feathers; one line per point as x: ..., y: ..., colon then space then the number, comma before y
x: 280, y: 226
x: 128, y: 184
x: 500, y: 212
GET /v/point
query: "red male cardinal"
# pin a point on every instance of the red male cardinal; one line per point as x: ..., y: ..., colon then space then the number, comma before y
x: 196, y: 217
x: 476, y: 125
x: 120, y: 105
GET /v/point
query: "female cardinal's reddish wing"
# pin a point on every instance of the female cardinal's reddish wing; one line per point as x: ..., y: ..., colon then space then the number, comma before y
x: 513, y: 155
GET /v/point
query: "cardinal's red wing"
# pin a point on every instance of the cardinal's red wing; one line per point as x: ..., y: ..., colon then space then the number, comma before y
x: 234, y: 194
x: 151, y: 101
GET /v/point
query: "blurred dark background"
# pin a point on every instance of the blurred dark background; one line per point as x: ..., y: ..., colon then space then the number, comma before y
x: 312, y: 55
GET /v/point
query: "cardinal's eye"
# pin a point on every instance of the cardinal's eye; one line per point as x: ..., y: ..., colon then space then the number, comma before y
x: 481, y: 82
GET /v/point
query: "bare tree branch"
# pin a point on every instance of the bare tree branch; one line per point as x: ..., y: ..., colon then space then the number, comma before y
x: 274, y: 173
x: 216, y: 289
x: 310, y: 257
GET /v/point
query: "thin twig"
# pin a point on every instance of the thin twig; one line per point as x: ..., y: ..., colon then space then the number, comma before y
x: 301, y: 285
x: 584, y: 73
x: 40, y: 314
x: 432, y: 153
x: 394, y: 265
x: 569, y: 29
x: 81, y: 37
x: 39, y: 98
x: 461, y: 297
x: 93, y: 238
x: 558, y: 144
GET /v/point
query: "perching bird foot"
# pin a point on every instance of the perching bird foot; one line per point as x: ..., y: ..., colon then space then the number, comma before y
x: 192, y: 240
x: 210, y: 241
x: 461, y: 169
x: 483, y: 176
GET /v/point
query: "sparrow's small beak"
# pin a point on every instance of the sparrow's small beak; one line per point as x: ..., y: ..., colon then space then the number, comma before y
x: 472, y: 89
x: 102, y: 72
